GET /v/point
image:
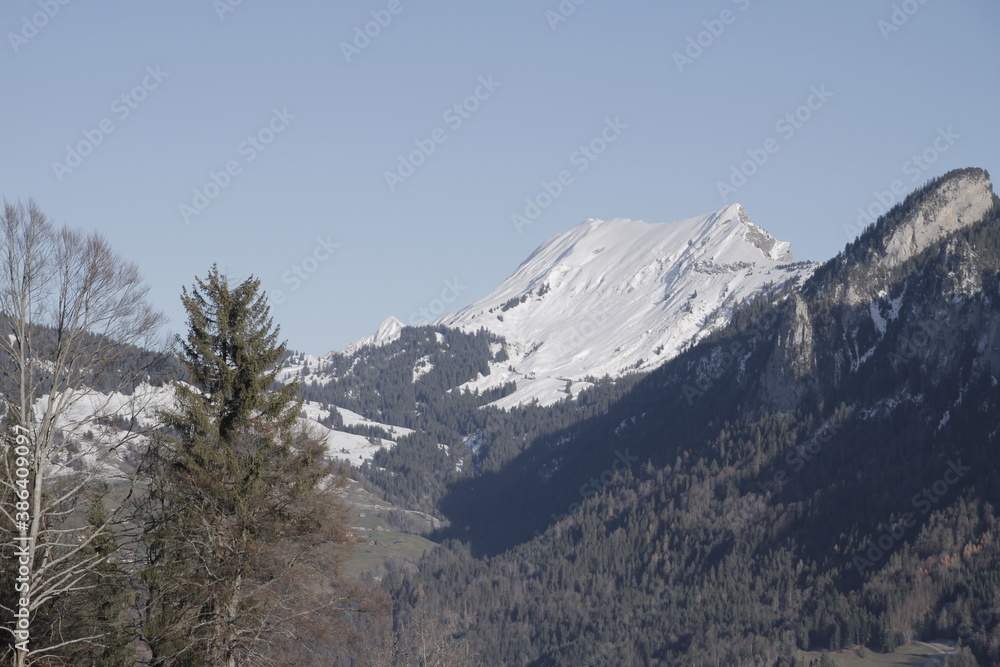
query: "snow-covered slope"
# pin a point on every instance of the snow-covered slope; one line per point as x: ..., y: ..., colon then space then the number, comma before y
x: 349, y: 447
x: 95, y: 427
x: 103, y: 445
x: 608, y: 297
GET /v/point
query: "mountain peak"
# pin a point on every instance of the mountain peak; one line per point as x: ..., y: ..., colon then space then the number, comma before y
x: 760, y: 239
x: 611, y: 296
x: 387, y: 332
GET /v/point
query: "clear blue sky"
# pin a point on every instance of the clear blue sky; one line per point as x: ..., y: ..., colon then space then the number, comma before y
x: 552, y: 86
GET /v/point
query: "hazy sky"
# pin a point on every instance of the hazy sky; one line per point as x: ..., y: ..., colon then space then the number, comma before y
x: 259, y: 135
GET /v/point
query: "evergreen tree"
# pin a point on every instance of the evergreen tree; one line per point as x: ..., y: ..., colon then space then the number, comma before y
x: 249, y: 528
x: 232, y: 357
x: 104, y: 611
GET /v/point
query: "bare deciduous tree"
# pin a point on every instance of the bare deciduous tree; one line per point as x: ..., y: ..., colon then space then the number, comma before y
x: 76, y: 327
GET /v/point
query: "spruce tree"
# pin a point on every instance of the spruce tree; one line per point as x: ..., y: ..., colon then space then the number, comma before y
x: 232, y: 357
x: 244, y: 502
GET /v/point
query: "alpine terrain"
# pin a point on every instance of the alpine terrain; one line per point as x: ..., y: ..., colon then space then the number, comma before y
x: 652, y: 444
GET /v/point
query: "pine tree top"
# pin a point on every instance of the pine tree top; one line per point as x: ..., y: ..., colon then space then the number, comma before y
x: 232, y: 355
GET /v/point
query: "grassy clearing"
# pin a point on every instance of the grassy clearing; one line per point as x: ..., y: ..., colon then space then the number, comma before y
x: 912, y: 655
x: 378, y: 542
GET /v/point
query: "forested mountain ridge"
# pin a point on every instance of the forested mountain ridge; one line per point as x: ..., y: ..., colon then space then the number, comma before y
x: 821, y: 473
x: 606, y: 299
x: 410, y: 380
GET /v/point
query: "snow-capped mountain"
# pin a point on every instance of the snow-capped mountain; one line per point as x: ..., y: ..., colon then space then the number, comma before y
x: 609, y: 297
x: 606, y: 298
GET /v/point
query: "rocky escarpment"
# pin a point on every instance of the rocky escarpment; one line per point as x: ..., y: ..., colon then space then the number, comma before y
x: 956, y: 200
x: 791, y: 372
x: 957, y: 203
x: 865, y: 306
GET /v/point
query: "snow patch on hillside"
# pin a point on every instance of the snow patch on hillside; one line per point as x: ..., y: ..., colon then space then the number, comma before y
x: 349, y: 447
x: 422, y: 367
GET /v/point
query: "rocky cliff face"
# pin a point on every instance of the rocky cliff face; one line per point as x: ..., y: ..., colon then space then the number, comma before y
x: 767, y: 244
x: 869, y: 305
x: 791, y: 372
x: 956, y: 203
